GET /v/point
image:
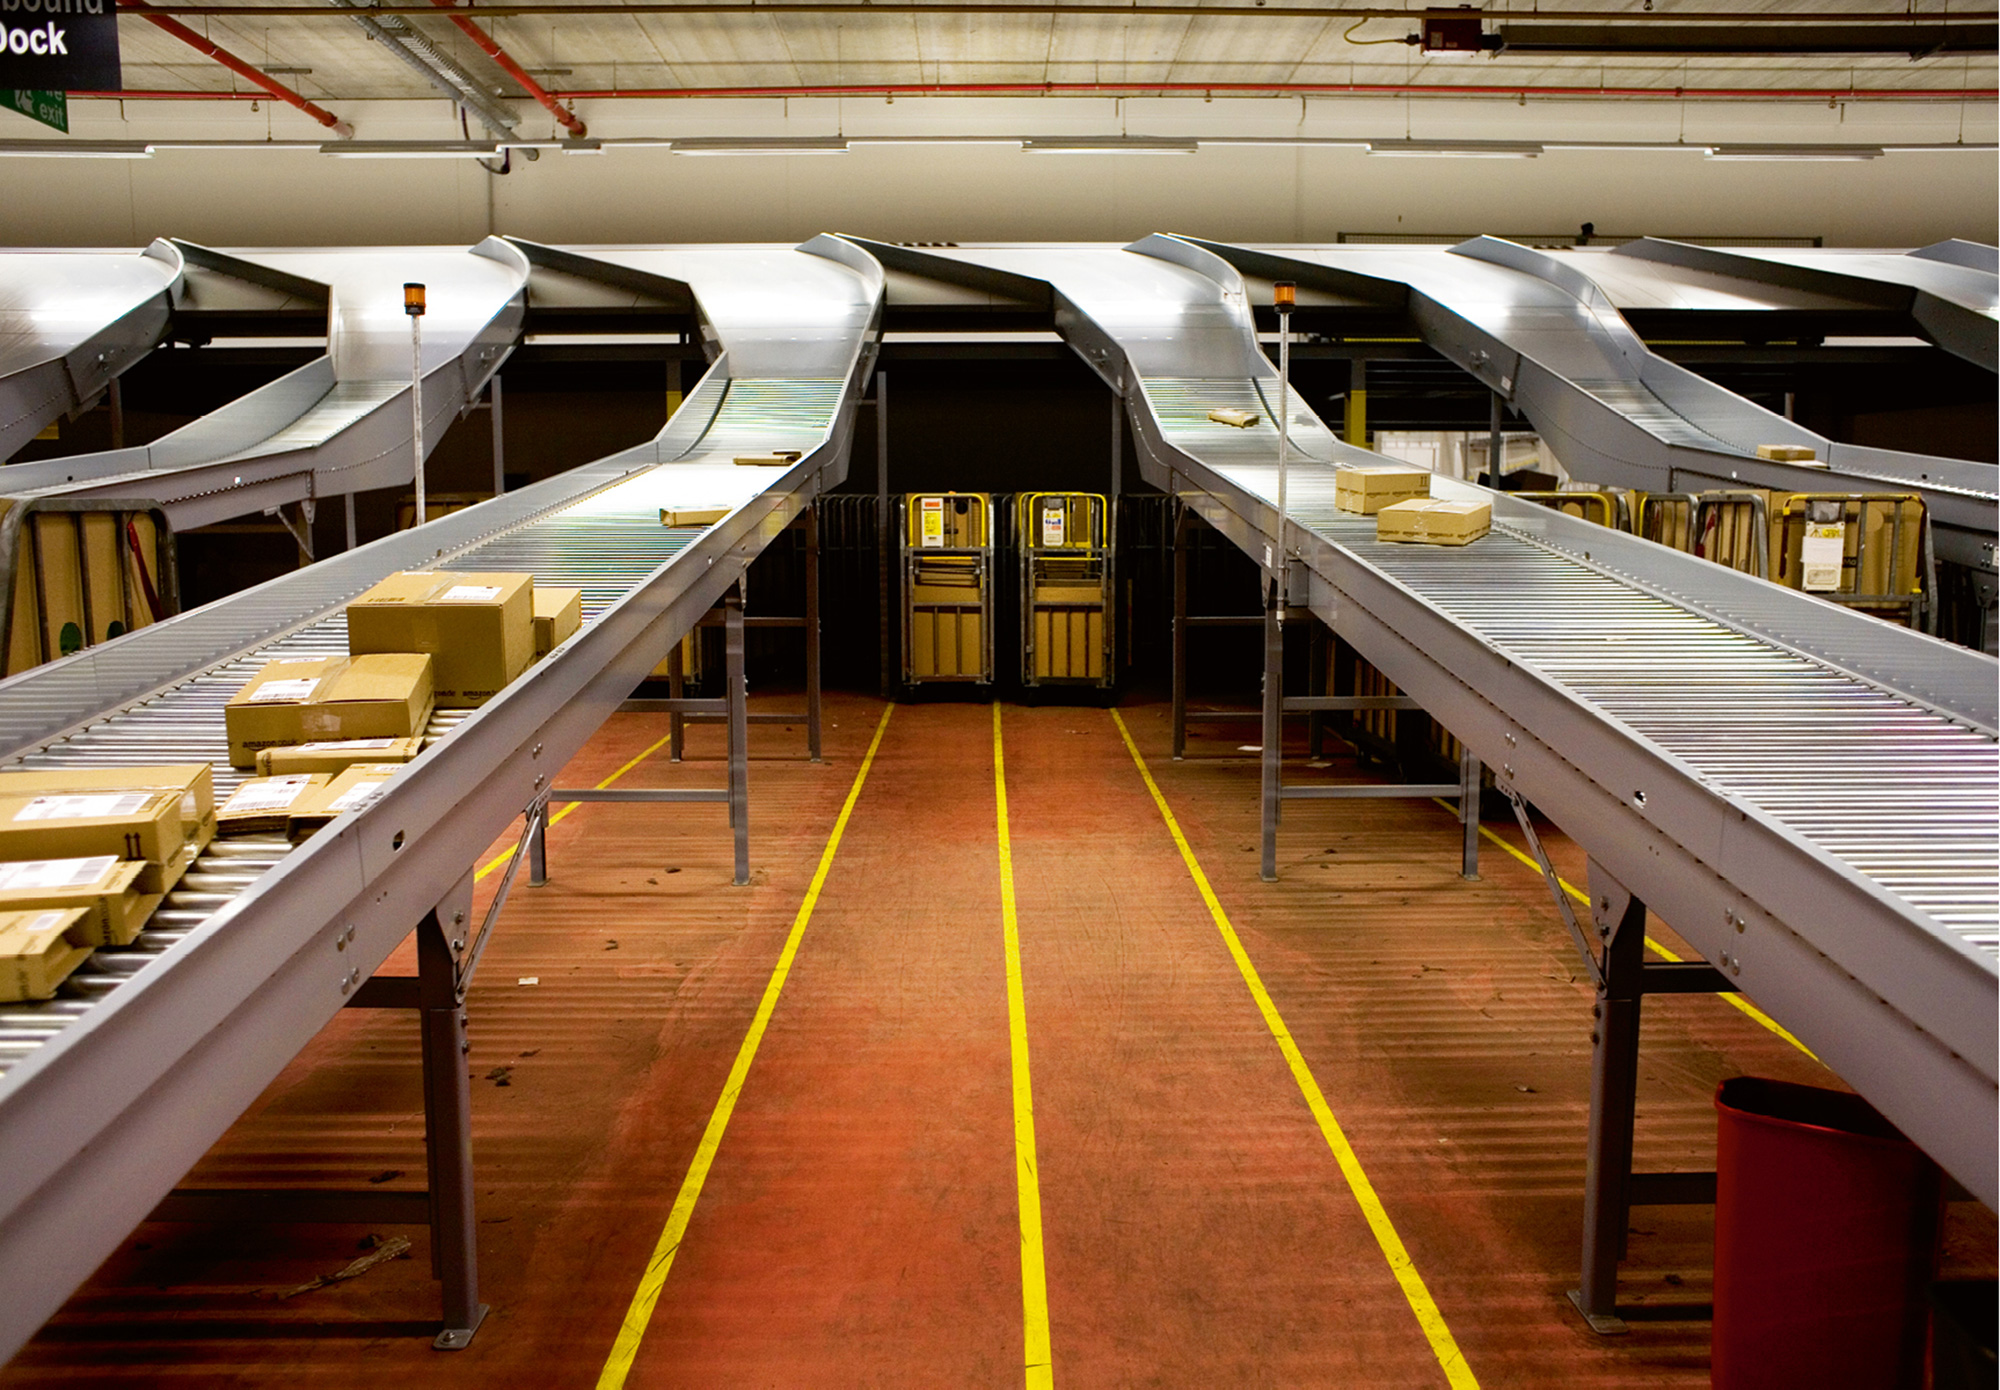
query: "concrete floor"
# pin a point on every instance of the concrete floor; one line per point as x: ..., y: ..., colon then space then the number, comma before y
x: 859, y: 1224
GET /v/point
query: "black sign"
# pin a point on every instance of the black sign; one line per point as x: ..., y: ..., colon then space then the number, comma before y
x: 59, y: 45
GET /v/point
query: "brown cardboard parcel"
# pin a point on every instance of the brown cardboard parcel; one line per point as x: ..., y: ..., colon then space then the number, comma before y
x: 350, y: 791
x: 1368, y: 488
x: 141, y: 824
x: 263, y: 805
x: 36, y: 953
x: 106, y: 889
x: 1434, y: 521
x: 478, y: 628
x: 336, y: 755
x: 558, y: 613
x: 379, y: 695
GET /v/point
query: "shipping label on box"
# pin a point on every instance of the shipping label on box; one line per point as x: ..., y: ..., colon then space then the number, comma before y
x: 558, y: 615
x: 479, y: 629
x: 263, y: 805
x: 335, y: 755
x: 127, y: 825
x: 36, y: 954
x: 105, y: 889
x: 1368, y: 488
x: 378, y: 695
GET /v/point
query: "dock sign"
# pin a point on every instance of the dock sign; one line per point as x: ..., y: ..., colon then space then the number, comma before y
x: 59, y: 46
x: 50, y: 108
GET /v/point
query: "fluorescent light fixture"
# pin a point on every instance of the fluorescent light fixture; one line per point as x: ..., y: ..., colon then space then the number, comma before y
x: 1455, y: 149
x: 310, y: 146
x: 74, y: 149
x: 753, y: 144
x: 411, y: 149
x: 1808, y: 152
x: 1121, y: 144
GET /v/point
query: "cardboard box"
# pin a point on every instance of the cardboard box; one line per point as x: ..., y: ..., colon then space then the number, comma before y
x: 194, y: 781
x: 1238, y: 419
x: 378, y: 695
x: 1434, y: 521
x: 778, y: 459
x: 1788, y: 453
x: 558, y: 614
x: 36, y: 953
x: 349, y: 791
x: 336, y: 755
x: 263, y: 805
x: 1368, y: 488
x: 692, y: 516
x: 141, y: 824
x: 105, y: 889
x: 479, y: 629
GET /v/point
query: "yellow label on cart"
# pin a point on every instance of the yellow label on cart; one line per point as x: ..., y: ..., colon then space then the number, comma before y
x: 932, y: 534
x: 1052, y: 524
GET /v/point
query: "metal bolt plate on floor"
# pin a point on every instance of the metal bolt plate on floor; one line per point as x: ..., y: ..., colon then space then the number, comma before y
x: 459, y: 1338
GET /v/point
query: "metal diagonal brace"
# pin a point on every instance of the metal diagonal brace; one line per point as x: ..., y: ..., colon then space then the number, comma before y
x: 469, y: 951
x: 1555, y: 883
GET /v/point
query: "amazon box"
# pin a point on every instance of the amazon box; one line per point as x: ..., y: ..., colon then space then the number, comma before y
x: 1788, y: 453
x: 1368, y: 488
x: 692, y: 516
x: 263, y: 805
x: 380, y: 695
x: 479, y: 629
x: 141, y: 824
x: 1433, y: 521
x: 558, y: 614
x: 335, y: 755
x: 36, y: 953
x: 105, y: 889
x: 194, y: 781
x: 350, y: 791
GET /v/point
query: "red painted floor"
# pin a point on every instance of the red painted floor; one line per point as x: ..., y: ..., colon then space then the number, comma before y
x: 859, y: 1225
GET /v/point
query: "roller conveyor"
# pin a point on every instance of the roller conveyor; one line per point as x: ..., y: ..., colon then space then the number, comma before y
x: 113, y: 1090
x: 1728, y: 750
x: 1533, y: 326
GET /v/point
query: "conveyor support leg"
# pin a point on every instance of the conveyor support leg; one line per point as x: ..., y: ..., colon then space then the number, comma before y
x: 538, y: 846
x: 1180, y: 634
x: 812, y: 634
x: 1614, y: 1079
x: 448, y: 1136
x: 1471, y: 774
x: 739, y: 731
x: 676, y: 689
x: 1274, y: 727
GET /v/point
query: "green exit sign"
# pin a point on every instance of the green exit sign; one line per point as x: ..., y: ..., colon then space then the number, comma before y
x: 50, y: 108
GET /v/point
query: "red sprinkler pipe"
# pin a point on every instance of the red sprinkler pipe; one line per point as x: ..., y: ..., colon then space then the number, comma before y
x: 236, y: 65
x: 514, y: 70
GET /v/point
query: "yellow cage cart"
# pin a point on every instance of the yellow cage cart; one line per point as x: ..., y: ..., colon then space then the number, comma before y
x: 947, y: 587
x: 1066, y: 589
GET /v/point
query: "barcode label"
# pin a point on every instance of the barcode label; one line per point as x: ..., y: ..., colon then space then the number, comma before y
x: 44, y: 921
x: 83, y: 807
x: 271, y: 794
x: 343, y: 745
x: 44, y: 874
x: 358, y: 795
x: 470, y: 593
x: 284, y: 691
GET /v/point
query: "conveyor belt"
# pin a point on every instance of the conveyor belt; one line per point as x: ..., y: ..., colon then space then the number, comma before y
x: 1729, y: 749
x: 113, y: 1090
x: 70, y: 321
x: 340, y: 424
x: 1535, y: 328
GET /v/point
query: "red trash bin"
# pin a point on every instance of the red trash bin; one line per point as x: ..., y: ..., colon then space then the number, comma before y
x: 1826, y: 1242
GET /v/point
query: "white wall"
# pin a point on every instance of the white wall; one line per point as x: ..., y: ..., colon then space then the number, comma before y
x: 996, y: 192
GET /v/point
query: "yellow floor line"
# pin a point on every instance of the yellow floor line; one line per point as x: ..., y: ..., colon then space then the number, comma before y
x: 500, y: 861
x: 1735, y: 1001
x: 619, y: 1364
x: 1040, y: 1366
x: 1443, y: 1345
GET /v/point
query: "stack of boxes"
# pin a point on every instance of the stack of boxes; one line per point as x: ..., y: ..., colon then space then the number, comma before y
x: 1400, y: 501
x: 86, y: 855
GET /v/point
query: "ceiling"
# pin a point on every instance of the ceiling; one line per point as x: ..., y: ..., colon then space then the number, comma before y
x: 657, y: 49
